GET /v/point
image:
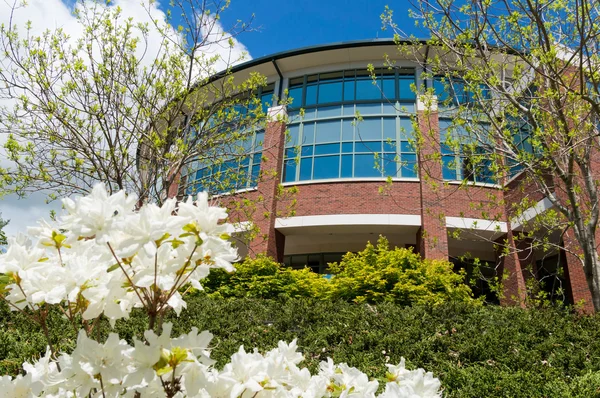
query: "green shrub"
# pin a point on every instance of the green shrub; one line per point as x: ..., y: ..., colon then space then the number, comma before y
x: 476, y: 351
x: 262, y: 277
x: 397, y: 275
x: 374, y: 275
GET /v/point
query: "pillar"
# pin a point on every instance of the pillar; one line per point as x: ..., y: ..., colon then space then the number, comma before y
x: 511, y: 263
x: 432, y: 237
x: 577, y: 287
x: 270, y: 241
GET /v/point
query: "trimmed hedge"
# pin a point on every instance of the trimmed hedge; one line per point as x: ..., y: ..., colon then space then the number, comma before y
x: 475, y: 351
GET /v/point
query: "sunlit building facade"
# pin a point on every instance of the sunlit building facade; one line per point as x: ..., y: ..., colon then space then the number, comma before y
x: 349, y: 147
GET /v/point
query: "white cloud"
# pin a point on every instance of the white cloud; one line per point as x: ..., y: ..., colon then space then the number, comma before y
x: 54, y: 14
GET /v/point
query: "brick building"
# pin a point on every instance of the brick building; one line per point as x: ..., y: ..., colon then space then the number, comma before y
x: 360, y: 179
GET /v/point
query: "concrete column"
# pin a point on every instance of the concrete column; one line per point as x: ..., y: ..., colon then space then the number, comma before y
x: 432, y: 238
x: 270, y: 241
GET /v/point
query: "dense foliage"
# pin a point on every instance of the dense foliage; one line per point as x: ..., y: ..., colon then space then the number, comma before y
x: 374, y: 275
x: 475, y: 351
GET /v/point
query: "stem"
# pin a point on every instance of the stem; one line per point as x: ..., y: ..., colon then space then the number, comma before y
x: 102, y: 386
x: 125, y: 272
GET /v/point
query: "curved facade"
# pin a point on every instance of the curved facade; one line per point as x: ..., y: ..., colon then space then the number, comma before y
x: 360, y: 176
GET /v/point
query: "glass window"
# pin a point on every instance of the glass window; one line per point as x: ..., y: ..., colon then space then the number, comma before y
x: 326, y: 167
x: 305, y: 169
x: 389, y: 128
x: 369, y: 129
x: 296, y: 95
x: 328, y: 131
x: 311, y: 95
x: 289, y: 170
x: 293, y: 134
x: 365, y: 166
x: 327, y: 149
x: 346, y: 166
x: 366, y: 90
x: 330, y: 92
x: 347, y: 130
x: 404, y: 83
x: 349, y: 90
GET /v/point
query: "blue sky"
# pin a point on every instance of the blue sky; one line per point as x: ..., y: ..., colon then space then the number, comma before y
x: 286, y: 25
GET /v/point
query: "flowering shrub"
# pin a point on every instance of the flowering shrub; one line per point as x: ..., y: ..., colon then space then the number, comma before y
x: 104, y: 257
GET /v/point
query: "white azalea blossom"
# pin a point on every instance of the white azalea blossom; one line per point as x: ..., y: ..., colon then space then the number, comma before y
x: 104, y: 257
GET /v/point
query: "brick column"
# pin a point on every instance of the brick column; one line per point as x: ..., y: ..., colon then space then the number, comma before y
x: 432, y: 237
x: 577, y: 287
x: 510, y: 262
x: 270, y: 241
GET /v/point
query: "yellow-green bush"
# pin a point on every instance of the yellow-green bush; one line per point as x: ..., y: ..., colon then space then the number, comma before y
x: 374, y: 275
x: 398, y: 275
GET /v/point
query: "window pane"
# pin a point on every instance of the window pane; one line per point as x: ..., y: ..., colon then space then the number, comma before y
x: 368, y: 109
x: 328, y: 131
x: 390, y: 166
x: 326, y: 149
x: 368, y: 146
x: 389, y: 128
x: 330, y: 92
x: 347, y: 147
x: 409, y: 163
x: 389, y: 146
x: 449, y: 167
x: 327, y: 167
x: 307, y: 150
x: 291, y: 152
x: 311, y: 95
x: 305, y: 169
x: 366, y: 90
x: 308, y: 133
x: 406, y: 129
x: 365, y: 166
x: 440, y: 90
x: 259, y: 140
x: 369, y: 129
x: 254, y: 176
x: 389, y: 89
x: 406, y: 146
x: 293, y: 134
x: 329, y: 111
x: 347, y: 130
x: 404, y: 83
x: 289, y: 170
x: 296, y: 95
x: 349, y: 90
x: 347, y: 166
x: 256, y: 158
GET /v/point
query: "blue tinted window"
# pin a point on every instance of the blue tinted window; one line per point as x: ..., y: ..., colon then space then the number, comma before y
x: 347, y: 147
x: 389, y: 128
x: 326, y: 167
x: 349, y: 91
x: 390, y: 167
x: 366, y: 90
x: 308, y: 133
x: 311, y: 95
x: 449, y: 167
x: 347, y: 130
x: 389, y: 88
x: 289, y: 170
x: 330, y: 92
x: 307, y: 150
x: 404, y: 84
x: 327, y: 149
x: 293, y: 134
x: 409, y: 162
x: 305, y: 169
x: 406, y: 146
x: 364, y: 166
x: 330, y: 111
x: 347, y: 166
x: 389, y: 146
x: 296, y: 94
x: 368, y: 109
x: 328, y: 131
x: 369, y: 129
x: 368, y: 146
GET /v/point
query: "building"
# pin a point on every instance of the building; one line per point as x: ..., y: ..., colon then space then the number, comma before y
x: 343, y: 171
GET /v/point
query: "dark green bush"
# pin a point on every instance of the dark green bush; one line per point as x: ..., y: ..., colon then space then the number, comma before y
x: 477, y: 351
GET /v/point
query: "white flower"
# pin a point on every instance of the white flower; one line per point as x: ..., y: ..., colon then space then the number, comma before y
x: 94, y: 215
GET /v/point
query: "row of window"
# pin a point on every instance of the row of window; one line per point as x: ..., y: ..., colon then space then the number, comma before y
x: 352, y: 86
x: 347, y: 148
